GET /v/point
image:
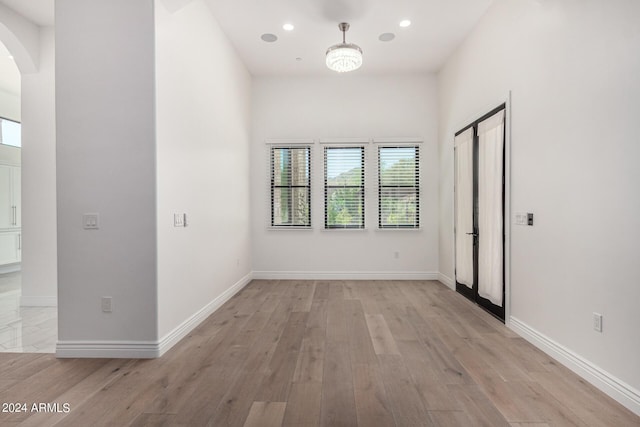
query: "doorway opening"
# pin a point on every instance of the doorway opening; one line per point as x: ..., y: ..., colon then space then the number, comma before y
x: 479, y: 153
x: 24, y: 328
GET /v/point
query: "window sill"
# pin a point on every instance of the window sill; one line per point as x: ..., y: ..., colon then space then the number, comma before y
x: 343, y: 229
x: 289, y: 228
x: 399, y: 229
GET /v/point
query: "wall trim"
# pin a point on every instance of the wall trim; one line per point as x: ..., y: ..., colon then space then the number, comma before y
x: 399, y: 140
x: 107, y: 349
x: 38, y: 301
x: 346, y: 141
x: 620, y: 391
x: 447, y: 281
x: 10, y: 268
x: 286, y: 142
x: 346, y: 275
x: 172, y: 338
x: 147, y: 349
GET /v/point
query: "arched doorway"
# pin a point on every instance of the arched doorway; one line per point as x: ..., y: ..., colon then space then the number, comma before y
x: 32, y: 326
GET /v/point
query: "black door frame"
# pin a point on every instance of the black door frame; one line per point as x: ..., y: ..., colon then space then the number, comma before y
x: 472, y: 293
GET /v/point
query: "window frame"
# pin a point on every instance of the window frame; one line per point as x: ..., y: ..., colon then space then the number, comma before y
x: 2, y: 139
x: 393, y: 145
x: 290, y: 146
x: 362, y: 186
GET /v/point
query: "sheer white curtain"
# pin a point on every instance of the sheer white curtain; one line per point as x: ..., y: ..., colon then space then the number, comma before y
x: 490, y: 221
x: 463, y: 146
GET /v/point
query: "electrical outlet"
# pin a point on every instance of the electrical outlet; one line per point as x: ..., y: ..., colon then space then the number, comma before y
x: 106, y: 304
x: 597, y: 322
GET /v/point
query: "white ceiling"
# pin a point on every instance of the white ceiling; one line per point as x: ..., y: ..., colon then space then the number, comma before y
x: 438, y: 27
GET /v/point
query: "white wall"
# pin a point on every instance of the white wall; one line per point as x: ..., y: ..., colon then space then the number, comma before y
x: 573, y: 68
x: 344, y: 106
x: 105, y: 126
x: 203, y: 108
x: 39, y: 251
x: 9, y: 105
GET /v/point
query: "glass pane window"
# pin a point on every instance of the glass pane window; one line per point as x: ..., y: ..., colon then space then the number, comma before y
x: 10, y: 133
x: 398, y: 187
x: 344, y: 187
x: 290, y: 186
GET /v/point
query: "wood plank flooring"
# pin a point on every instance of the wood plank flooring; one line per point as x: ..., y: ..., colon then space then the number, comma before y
x: 318, y: 353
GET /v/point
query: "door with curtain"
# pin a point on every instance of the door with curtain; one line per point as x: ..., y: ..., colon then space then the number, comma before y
x: 479, y: 211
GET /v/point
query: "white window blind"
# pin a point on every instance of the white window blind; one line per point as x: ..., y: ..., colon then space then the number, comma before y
x: 291, y: 186
x: 344, y: 187
x: 398, y: 187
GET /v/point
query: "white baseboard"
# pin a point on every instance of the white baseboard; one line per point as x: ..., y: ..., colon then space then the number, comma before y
x: 10, y: 268
x: 107, y: 349
x: 188, y: 325
x: 447, y: 281
x: 146, y: 349
x: 603, y: 380
x: 345, y: 275
x: 28, y: 301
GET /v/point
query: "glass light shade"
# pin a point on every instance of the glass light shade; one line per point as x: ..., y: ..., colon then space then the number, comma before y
x: 344, y: 57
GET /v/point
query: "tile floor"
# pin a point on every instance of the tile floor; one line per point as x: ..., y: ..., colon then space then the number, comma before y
x: 24, y: 329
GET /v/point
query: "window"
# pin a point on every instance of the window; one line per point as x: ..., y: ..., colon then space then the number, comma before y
x: 398, y: 187
x: 290, y: 186
x: 10, y: 133
x: 344, y: 187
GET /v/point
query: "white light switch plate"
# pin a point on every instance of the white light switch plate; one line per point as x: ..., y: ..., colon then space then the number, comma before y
x: 521, y: 218
x: 179, y: 219
x: 90, y: 221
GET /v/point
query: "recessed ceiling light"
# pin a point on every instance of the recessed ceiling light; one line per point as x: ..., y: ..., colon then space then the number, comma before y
x: 386, y: 37
x: 288, y: 27
x: 269, y: 38
x: 298, y: 59
x: 10, y: 57
x: 405, y: 23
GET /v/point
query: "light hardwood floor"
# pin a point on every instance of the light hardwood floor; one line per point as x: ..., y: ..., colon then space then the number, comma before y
x: 340, y: 353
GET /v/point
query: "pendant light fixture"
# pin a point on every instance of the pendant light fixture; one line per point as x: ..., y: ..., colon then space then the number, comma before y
x: 344, y: 57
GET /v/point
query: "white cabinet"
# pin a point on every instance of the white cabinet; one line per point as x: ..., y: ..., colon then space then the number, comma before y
x: 16, y: 191
x: 10, y: 197
x: 10, y: 233
x: 10, y: 247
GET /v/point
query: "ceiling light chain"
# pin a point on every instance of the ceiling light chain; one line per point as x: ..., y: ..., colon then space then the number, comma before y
x: 344, y: 57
